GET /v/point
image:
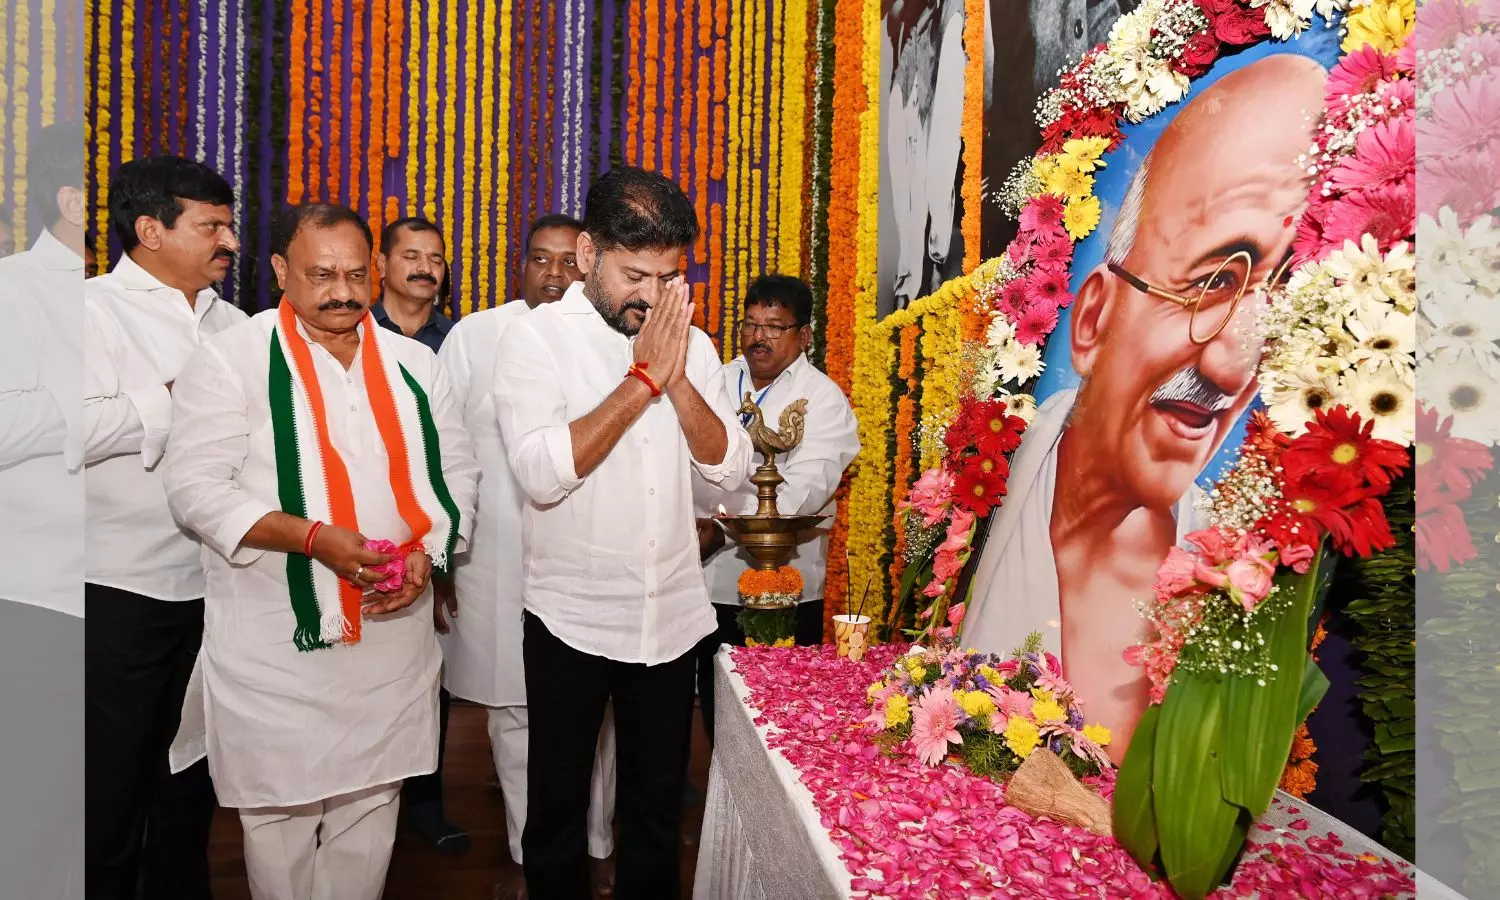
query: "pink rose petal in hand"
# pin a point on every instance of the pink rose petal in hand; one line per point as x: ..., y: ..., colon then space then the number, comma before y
x: 394, y: 571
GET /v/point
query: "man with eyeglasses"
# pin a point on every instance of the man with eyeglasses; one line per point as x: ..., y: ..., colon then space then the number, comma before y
x: 775, y: 332
x: 1163, y: 339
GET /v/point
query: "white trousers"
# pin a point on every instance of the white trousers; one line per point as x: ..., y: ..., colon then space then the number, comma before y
x: 509, y: 733
x: 335, y: 849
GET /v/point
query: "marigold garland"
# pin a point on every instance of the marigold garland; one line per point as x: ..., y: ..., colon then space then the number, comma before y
x: 375, y: 151
x: 495, y: 181
x: 904, y: 433
x: 335, y: 108
x: 127, y: 83
x: 792, y: 140
x: 632, y: 102
x: 416, y: 61
x: 356, y: 106
x: 99, y: 125
x: 650, y: 149
x: 784, y: 580
x: 49, y: 63
x: 672, y: 87
x: 701, y: 160
x: 972, y: 130
x: 314, y: 119
x: 468, y: 260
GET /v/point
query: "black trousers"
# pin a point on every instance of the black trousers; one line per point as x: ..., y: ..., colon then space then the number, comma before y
x: 41, y: 746
x: 147, y: 830
x: 425, y: 790
x: 566, y: 692
x: 807, y: 631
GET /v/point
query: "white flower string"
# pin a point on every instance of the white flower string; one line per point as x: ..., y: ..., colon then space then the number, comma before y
x: 237, y: 135
x: 202, y: 83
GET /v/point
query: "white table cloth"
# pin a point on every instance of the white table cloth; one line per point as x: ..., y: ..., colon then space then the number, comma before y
x: 763, y: 839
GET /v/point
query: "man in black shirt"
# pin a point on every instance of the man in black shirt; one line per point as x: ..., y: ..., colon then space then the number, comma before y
x: 413, y: 269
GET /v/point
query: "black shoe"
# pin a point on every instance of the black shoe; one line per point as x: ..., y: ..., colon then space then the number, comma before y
x: 443, y: 836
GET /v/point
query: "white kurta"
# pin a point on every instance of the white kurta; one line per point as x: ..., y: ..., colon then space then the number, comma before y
x: 283, y: 727
x: 41, y: 434
x: 611, y: 558
x: 482, y: 650
x: 1015, y: 584
x: 812, y: 469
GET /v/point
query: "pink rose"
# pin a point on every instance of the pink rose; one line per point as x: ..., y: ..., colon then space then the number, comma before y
x: 1216, y: 546
x: 1297, y: 557
x: 1250, y: 579
x: 1210, y: 576
x: 394, y: 571
x: 1176, y: 574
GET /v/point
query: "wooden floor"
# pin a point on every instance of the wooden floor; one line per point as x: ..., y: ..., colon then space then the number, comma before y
x: 419, y: 873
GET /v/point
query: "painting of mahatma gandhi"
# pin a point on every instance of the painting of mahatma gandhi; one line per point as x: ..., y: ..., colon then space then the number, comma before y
x: 1151, y: 371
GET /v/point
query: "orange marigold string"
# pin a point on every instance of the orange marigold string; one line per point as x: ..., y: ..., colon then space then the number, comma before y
x: 906, y: 424
x: 315, y: 106
x: 376, y: 145
x: 972, y: 129
x: 700, y: 159
x: 394, y: 81
x: 700, y: 315
x: 182, y: 94
x: 335, y: 108
x: 1300, y: 776
x: 673, y: 85
x: 297, y: 113
x: 633, y: 97
x: 843, y: 214
x: 715, y: 266
x: 357, y: 102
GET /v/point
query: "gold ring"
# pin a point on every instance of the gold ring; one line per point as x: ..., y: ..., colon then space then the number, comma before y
x: 359, y: 574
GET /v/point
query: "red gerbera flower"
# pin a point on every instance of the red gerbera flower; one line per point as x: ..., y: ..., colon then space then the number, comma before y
x: 1447, y: 467
x: 1350, y: 515
x: 1443, y: 539
x: 959, y: 437
x: 1337, y: 449
x: 1265, y: 439
x: 995, y: 432
x: 980, y: 485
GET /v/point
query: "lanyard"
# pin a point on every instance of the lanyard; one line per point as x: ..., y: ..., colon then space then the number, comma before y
x: 745, y: 417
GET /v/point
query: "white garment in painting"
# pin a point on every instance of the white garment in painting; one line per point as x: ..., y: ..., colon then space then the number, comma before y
x: 41, y: 435
x: 284, y: 727
x: 1015, y: 584
x: 812, y: 470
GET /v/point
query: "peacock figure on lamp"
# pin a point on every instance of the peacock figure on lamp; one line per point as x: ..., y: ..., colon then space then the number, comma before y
x: 769, y: 537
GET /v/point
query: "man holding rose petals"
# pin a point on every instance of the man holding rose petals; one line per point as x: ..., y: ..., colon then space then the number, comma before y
x: 324, y: 464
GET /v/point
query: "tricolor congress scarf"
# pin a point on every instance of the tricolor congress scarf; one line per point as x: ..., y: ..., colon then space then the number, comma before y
x: 314, y: 484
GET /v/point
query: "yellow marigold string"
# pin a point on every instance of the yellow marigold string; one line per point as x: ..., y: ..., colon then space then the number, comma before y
x: 792, y: 141
x: 773, y: 140
x: 127, y: 80
x: 469, y: 259
x: 495, y: 179
x: 416, y: 62
x: 100, y: 57
x: 7, y: 121
x: 49, y: 62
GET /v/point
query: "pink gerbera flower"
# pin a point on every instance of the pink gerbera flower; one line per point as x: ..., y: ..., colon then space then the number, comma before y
x: 1050, y: 287
x: 934, y: 724
x: 1459, y: 183
x: 1441, y: 22
x: 1042, y: 214
x: 1358, y: 73
x: 1385, y: 153
x: 1016, y: 298
x: 1035, y: 323
x: 1053, y: 252
x: 1388, y: 213
x: 1465, y: 117
x: 1019, y: 250
x: 1310, y: 244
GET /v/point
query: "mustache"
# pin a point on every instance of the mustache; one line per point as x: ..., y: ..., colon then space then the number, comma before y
x: 340, y: 304
x: 224, y: 253
x: 422, y: 276
x: 1191, y: 386
x: 640, y: 306
x: 765, y: 347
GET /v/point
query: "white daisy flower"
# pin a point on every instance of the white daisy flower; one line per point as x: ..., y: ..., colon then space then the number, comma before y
x: 1000, y: 331
x: 1022, y: 406
x: 1463, y: 341
x: 1019, y: 362
x: 1467, y: 393
x: 1388, y: 400
x: 1385, y: 336
x: 1292, y: 396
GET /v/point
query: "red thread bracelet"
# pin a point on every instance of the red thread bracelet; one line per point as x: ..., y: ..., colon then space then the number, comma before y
x: 638, y: 371
x: 311, y: 533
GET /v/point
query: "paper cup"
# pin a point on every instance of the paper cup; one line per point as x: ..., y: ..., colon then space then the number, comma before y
x: 851, y: 633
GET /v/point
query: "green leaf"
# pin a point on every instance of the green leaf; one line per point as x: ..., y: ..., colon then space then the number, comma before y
x: 1260, y: 720
x: 1134, y: 815
x: 1233, y: 848
x: 1314, y: 685
x: 1193, y: 821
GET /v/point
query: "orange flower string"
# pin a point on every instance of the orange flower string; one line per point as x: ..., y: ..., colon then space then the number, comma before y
x: 701, y: 160
x: 972, y: 129
x: 674, y: 86
x: 756, y: 582
x: 650, y: 151
x: 357, y: 101
x: 394, y: 81
x: 314, y: 120
x: 906, y: 424
x: 335, y: 109
x: 632, y: 100
x: 715, y: 266
x: 376, y: 147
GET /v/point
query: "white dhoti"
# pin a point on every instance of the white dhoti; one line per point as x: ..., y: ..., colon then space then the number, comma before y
x: 333, y: 849
x: 508, y: 742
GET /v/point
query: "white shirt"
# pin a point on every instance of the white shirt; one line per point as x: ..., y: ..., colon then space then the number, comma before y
x: 812, y: 470
x: 482, y: 649
x: 1015, y: 585
x: 285, y: 727
x: 41, y: 441
x: 611, y: 559
x: 138, y: 334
